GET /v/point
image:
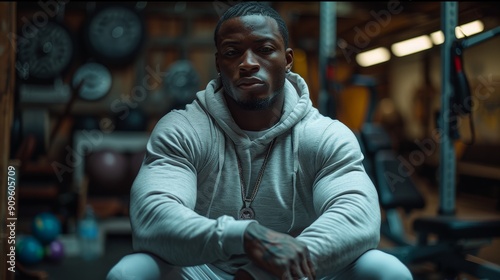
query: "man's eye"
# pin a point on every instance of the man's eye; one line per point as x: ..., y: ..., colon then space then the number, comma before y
x: 266, y: 49
x: 230, y: 53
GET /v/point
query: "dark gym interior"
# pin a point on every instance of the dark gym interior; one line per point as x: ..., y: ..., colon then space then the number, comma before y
x: 84, y: 83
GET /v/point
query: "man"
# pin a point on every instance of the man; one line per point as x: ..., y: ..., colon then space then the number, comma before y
x: 249, y: 181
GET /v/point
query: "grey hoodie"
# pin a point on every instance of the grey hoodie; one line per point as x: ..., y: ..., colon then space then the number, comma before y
x: 186, y: 198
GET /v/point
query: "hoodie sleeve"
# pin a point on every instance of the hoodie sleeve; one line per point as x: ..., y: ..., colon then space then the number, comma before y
x: 345, y: 200
x: 163, y: 197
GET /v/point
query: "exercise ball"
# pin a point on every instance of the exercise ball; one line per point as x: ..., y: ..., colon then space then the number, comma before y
x: 29, y: 250
x: 46, y: 227
x: 107, y: 171
x: 54, y: 251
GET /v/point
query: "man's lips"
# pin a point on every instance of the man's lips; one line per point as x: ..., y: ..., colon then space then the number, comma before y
x: 249, y: 82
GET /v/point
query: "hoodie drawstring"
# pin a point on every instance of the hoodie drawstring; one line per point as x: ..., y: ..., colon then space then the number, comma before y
x: 295, y: 149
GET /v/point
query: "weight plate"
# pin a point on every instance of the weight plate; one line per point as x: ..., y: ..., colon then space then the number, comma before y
x: 44, y: 53
x: 115, y: 34
x: 96, y: 81
x: 182, y: 81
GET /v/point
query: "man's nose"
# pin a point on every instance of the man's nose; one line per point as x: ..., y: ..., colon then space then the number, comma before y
x: 249, y: 63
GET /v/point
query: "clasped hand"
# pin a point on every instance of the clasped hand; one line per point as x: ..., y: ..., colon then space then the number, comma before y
x: 278, y: 253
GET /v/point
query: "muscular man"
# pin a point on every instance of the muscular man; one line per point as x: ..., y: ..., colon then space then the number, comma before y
x: 250, y: 181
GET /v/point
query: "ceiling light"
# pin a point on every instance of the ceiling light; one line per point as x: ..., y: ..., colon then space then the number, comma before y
x: 469, y: 29
x: 373, y: 57
x: 437, y: 37
x: 461, y: 31
x: 413, y: 45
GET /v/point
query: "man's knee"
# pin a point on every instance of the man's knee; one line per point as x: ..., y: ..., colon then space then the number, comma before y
x: 378, y: 265
x: 137, y: 266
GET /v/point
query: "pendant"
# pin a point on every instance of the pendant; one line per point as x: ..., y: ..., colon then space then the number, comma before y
x: 246, y: 213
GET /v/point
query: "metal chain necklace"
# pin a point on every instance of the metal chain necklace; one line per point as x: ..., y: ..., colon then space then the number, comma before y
x: 246, y: 212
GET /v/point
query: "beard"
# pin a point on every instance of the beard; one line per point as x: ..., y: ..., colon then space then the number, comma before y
x: 261, y: 103
x: 255, y: 104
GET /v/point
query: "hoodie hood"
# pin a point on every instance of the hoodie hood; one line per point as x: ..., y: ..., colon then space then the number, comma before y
x: 297, y: 105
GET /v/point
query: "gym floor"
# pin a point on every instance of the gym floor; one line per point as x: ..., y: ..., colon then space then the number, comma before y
x: 467, y: 205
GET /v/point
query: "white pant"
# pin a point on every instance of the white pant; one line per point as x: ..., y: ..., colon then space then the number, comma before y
x: 372, y: 265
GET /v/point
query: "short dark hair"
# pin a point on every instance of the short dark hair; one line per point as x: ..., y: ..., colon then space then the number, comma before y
x: 253, y: 8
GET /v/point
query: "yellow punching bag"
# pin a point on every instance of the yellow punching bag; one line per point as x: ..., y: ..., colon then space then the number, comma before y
x: 352, y: 106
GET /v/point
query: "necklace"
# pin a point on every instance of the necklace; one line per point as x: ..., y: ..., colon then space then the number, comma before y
x: 246, y: 212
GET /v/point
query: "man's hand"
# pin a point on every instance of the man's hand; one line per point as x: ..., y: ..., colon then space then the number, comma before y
x: 278, y: 253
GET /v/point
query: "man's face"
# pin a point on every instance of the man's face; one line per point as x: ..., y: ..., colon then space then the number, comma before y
x: 252, y: 60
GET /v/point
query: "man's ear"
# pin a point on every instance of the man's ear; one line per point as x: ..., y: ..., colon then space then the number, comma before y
x: 289, y: 58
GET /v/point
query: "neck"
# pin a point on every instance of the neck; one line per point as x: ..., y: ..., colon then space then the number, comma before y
x: 256, y: 120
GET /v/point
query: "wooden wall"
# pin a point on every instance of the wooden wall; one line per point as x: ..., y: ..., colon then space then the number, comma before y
x: 7, y: 84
